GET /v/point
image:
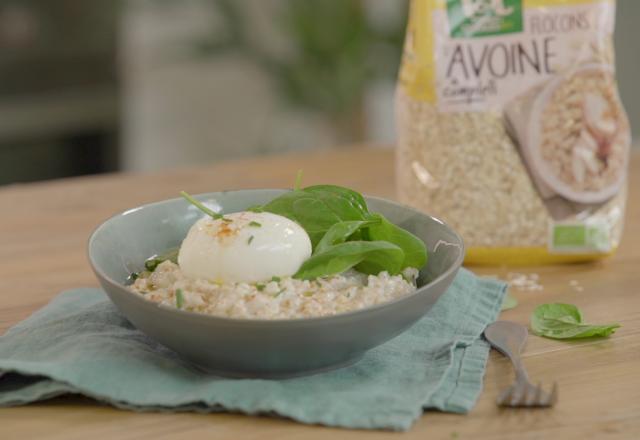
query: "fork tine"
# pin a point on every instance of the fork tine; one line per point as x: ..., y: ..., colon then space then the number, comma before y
x: 553, y: 397
x: 504, y: 397
x: 537, y: 396
x: 525, y: 395
x: 516, y: 396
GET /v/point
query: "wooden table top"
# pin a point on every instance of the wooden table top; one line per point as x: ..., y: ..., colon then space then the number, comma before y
x: 43, y: 232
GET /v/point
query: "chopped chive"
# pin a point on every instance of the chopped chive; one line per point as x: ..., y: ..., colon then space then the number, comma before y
x: 134, y: 276
x: 179, y: 298
x: 250, y: 240
x: 278, y: 294
x: 298, y: 183
x: 151, y: 264
x: 200, y: 206
x: 276, y: 279
x: 226, y: 219
x: 255, y: 224
x: 260, y: 287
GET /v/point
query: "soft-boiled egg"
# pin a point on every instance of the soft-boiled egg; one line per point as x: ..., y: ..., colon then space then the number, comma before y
x: 244, y: 247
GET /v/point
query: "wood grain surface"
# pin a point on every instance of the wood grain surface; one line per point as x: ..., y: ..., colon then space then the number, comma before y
x: 43, y: 232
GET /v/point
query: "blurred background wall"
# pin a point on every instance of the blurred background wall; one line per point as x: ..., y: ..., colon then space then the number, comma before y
x: 92, y: 86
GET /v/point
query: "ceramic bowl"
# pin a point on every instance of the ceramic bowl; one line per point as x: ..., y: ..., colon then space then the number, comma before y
x: 261, y: 348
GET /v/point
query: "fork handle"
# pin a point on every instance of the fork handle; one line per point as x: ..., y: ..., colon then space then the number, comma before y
x: 509, y: 339
x: 516, y: 360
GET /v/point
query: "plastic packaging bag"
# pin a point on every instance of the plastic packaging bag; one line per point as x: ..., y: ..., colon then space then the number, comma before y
x: 510, y: 127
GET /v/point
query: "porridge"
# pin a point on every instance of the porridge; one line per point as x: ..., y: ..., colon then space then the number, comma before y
x: 284, y: 298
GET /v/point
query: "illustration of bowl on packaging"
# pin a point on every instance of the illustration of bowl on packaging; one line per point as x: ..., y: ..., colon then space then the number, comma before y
x: 574, y: 134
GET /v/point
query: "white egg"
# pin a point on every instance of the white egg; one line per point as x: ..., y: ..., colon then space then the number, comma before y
x: 244, y: 247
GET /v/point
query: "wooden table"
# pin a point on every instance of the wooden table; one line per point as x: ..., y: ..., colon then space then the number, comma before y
x: 44, y: 229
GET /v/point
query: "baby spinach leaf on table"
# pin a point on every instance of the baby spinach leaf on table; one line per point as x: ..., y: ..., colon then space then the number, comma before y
x: 564, y: 321
x: 344, y: 256
x: 341, y: 232
x: 508, y: 303
x: 415, y: 251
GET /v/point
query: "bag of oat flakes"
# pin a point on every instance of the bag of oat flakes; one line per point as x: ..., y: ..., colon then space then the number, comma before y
x: 511, y: 129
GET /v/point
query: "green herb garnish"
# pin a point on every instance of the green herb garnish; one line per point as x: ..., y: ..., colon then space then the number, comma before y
x: 152, y: 263
x: 298, y: 182
x: 275, y: 278
x: 250, y: 240
x: 260, y: 287
x: 179, y: 298
x: 255, y: 224
x: 226, y: 219
x: 256, y: 209
x: 200, y: 206
x: 564, y: 321
x: 278, y: 294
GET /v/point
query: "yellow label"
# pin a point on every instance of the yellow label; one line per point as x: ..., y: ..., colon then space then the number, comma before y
x: 417, y: 73
x: 524, y: 256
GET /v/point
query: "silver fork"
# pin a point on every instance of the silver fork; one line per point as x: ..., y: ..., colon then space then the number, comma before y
x: 509, y: 338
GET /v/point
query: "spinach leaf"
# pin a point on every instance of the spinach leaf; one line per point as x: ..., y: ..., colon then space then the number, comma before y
x: 316, y: 210
x: 316, y: 217
x: 415, y: 252
x: 354, y: 198
x: 341, y: 232
x: 564, y: 321
x: 509, y: 302
x: 380, y: 255
x: 333, y: 217
x: 153, y: 262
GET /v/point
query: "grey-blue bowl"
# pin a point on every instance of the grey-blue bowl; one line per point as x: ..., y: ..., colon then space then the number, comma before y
x: 263, y: 348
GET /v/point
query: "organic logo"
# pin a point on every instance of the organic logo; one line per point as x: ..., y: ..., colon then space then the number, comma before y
x: 481, y: 7
x: 477, y: 18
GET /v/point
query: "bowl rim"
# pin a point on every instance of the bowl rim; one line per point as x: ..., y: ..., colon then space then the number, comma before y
x: 262, y: 321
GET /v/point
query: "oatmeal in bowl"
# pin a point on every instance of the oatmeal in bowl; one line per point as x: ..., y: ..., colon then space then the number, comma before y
x: 354, y: 276
x: 316, y: 251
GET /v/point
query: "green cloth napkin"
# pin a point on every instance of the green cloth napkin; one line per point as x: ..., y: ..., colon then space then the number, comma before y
x: 79, y: 343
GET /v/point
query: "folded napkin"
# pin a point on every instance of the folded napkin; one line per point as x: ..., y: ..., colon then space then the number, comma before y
x: 80, y: 344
